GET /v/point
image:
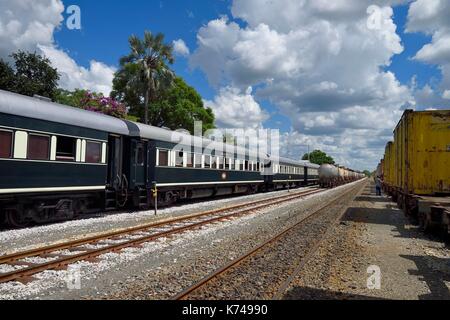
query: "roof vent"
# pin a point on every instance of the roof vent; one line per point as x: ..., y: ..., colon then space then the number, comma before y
x: 42, y: 98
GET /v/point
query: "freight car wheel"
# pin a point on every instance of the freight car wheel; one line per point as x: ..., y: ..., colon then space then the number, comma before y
x: 16, y: 220
x: 421, y: 219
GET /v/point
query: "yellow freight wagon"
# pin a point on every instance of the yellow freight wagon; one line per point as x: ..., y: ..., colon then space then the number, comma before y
x: 389, y: 168
x: 386, y: 169
x: 422, y: 153
x: 393, y: 165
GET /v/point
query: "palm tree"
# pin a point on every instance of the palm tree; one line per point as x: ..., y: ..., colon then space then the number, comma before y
x: 151, y: 56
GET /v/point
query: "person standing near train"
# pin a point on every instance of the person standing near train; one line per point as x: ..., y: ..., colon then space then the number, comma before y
x: 378, y: 185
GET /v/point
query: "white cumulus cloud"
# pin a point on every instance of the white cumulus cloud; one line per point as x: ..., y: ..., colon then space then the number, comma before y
x: 235, y: 109
x: 180, y: 47
x: 320, y: 63
x: 432, y: 17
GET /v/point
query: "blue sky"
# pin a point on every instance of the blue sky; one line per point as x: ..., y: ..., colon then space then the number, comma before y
x: 336, y: 78
x: 107, y: 26
x: 403, y: 65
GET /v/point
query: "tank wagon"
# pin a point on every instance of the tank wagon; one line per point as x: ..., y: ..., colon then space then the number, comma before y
x: 417, y: 167
x: 58, y: 162
x: 331, y: 176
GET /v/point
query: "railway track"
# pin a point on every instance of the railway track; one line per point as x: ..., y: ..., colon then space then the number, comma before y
x: 59, y: 256
x: 222, y: 279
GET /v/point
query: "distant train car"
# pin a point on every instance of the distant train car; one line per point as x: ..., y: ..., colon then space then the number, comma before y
x: 331, y: 176
x: 417, y: 166
x: 328, y: 176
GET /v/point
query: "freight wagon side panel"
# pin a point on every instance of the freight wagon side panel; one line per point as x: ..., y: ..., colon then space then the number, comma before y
x: 387, y: 162
x: 399, y: 154
x: 392, y: 165
x: 429, y: 152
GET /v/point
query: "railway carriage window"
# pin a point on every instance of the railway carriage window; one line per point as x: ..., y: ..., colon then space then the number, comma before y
x: 198, y: 161
x: 207, y: 162
x: 232, y: 164
x: 220, y: 163
x: 179, y: 155
x: 227, y: 164
x: 190, y: 160
x: 38, y: 147
x: 241, y: 165
x: 5, y: 144
x: 214, y: 163
x: 65, y: 148
x: 93, y: 152
x: 163, y: 157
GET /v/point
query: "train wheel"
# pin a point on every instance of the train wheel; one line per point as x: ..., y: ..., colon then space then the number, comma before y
x: 16, y: 220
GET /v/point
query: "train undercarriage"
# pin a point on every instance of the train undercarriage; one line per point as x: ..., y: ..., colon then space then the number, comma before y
x: 430, y: 213
x: 21, y: 211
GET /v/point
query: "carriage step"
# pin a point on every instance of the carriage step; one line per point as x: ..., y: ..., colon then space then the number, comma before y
x: 110, y: 200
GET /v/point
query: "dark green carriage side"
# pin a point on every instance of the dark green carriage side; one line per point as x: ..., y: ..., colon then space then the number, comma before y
x: 25, y: 173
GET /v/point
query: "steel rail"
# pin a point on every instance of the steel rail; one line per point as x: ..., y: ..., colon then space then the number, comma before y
x: 88, y: 254
x: 4, y: 259
x: 303, y: 261
x: 204, y: 281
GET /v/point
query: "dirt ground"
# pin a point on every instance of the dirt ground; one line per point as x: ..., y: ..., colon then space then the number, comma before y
x: 375, y: 253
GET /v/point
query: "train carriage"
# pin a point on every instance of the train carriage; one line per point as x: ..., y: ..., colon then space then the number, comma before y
x: 182, y: 166
x: 53, y: 159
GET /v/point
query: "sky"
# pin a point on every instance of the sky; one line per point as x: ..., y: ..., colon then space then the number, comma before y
x: 334, y: 76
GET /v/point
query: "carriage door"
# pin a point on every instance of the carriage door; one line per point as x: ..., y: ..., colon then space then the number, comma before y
x: 139, y: 163
x: 114, y: 161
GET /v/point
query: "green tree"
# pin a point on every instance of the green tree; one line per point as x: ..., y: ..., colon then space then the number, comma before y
x: 148, y: 74
x: 319, y: 157
x: 180, y: 107
x: 71, y: 98
x: 6, y: 77
x: 177, y: 108
x: 32, y: 74
x: 367, y: 173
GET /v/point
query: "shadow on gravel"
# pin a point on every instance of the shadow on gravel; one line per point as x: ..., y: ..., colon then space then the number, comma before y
x: 434, y: 279
x: 371, y: 215
x: 306, y: 293
x: 372, y: 198
x: 391, y: 216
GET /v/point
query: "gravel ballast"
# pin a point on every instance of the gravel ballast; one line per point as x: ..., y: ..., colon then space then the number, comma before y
x: 375, y: 238
x: 162, y: 268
